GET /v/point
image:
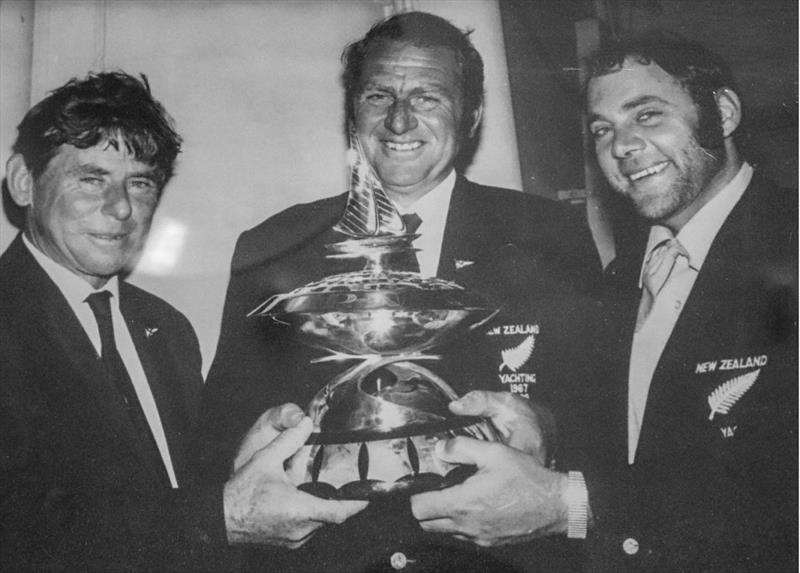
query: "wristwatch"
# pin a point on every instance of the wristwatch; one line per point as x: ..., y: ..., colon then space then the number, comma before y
x: 577, y: 499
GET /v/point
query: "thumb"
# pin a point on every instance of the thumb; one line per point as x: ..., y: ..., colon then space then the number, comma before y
x: 475, y: 403
x: 286, y: 416
x: 466, y: 451
x: 285, y: 444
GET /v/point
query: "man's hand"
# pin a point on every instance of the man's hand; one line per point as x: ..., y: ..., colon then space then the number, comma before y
x: 511, y: 498
x: 261, y: 503
x: 267, y: 428
x: 524, y: 425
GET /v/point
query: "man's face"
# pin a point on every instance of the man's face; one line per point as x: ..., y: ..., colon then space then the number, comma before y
x: 644, y: 125
x: 90, y: 210
x: 408, y: 116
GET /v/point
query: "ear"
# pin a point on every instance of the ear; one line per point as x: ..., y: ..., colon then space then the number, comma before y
x: 20, y: 180
x: 730, y: 110
x: 476, y: 121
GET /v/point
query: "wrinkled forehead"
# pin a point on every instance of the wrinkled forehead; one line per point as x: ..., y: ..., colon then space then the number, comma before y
x: 438, y: 63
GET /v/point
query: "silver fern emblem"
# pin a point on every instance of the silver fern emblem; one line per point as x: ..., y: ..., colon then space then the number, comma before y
x: 724, y: 397
x: 515, y: 357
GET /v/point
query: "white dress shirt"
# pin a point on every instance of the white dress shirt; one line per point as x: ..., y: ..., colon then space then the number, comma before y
x: 649, y: 341
x: 75, y: 290
x: 432, y: 208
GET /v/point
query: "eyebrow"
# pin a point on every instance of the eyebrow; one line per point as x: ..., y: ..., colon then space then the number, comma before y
x: 91, y: 169
x: 644, y: 100
x: 437, y: 86
x: 632, y: 104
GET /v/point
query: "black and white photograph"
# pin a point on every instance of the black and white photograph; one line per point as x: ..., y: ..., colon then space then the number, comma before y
x: 361, y: 286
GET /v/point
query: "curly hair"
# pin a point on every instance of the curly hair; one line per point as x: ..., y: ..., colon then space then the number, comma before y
x: 701, y: 72
x: 110, y: 106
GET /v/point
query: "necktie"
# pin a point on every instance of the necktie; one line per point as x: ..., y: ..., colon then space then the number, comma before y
x: 407, y: 260
x: 118, y: 374
x: 657, y: 270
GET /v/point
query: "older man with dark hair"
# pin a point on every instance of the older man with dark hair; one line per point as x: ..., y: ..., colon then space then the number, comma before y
x: 414, y: 93
x: 101, y: 380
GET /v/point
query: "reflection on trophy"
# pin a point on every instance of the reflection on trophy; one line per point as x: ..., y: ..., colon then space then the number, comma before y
x: 376, y: 424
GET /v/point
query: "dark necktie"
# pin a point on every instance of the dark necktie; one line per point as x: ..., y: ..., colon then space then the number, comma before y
x: 407, y: 260
x: 116, y: 372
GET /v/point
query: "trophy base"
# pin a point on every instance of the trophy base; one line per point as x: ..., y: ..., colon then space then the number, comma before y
x: 377, y: 426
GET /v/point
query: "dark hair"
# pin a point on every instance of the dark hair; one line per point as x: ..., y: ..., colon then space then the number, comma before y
x: 111, y: 106
x: 699, y: 70
x: 421, y: 30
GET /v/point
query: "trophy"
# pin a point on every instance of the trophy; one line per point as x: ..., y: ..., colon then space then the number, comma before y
x: 376, y: 423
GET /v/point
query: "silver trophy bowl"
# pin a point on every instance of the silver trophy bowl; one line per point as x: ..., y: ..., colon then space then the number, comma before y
x: 377, y: 423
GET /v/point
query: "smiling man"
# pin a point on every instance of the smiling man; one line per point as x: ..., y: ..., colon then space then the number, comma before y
x: 706, y: 482
x: 691, y: 455
x: 101, y: 381
x: 414, y: 99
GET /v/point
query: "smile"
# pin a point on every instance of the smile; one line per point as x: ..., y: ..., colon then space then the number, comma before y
x: 657, y: 168
x: 108, y: 236
x: 397, y: 146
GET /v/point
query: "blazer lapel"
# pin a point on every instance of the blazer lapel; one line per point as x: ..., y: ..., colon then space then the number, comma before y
x: 705, y: 310
x: 65, y: 338
x: 469, y: 236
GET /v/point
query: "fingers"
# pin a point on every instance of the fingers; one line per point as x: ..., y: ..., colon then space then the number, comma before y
x: 284, y: 416
x: 467, y: 451
x: 490, y: 404
x: 265, y: 429
x: 285, y: 445
x: 328, y: 511
x: 435, y: 506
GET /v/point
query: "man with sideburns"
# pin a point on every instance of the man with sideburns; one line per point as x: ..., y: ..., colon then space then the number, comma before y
x: 692, y: 456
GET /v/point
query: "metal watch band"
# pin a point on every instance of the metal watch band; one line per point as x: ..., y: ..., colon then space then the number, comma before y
x: 577, y: 498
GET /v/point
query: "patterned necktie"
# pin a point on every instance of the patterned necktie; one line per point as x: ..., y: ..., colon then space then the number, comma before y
x: 116, y: 372
x: 407, y: 260
x: 657, y: 270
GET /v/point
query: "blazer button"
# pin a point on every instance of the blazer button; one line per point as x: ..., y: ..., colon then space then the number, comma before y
x: 630, y: 546
x: 398, y: 561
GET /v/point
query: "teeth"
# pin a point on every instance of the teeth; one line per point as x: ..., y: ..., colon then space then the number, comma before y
x: 658, y: 168
x: 394, y: 146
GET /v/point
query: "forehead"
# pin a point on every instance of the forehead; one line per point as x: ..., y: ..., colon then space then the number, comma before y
x: 109, y: 154
x: 397, y: 61
x: 635, y: 82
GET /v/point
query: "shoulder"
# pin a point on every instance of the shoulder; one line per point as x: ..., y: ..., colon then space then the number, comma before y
x: 766, y: 218
x: 288, y: 229
x: 523, y: 213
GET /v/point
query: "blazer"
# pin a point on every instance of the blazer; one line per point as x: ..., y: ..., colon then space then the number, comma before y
x: 529, y: 257
x: 713, y: 487
x: 79, y: 491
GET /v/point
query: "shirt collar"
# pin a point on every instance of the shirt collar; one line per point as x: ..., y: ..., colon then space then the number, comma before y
x: 74, y: 288
x: 699, y: 232
x: 432, y: 207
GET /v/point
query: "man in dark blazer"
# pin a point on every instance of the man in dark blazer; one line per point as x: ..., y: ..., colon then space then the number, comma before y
x: 710, y: 482
x: 101, y: 381
x: 692, y: 454
x: 414, y: 89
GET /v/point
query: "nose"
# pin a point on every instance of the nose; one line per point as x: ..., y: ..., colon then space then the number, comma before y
x: 626, y: 142
x: 400, y: 117
x: 117, y: 202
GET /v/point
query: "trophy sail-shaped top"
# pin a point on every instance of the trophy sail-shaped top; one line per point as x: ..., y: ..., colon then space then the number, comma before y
x: 369, y: 211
